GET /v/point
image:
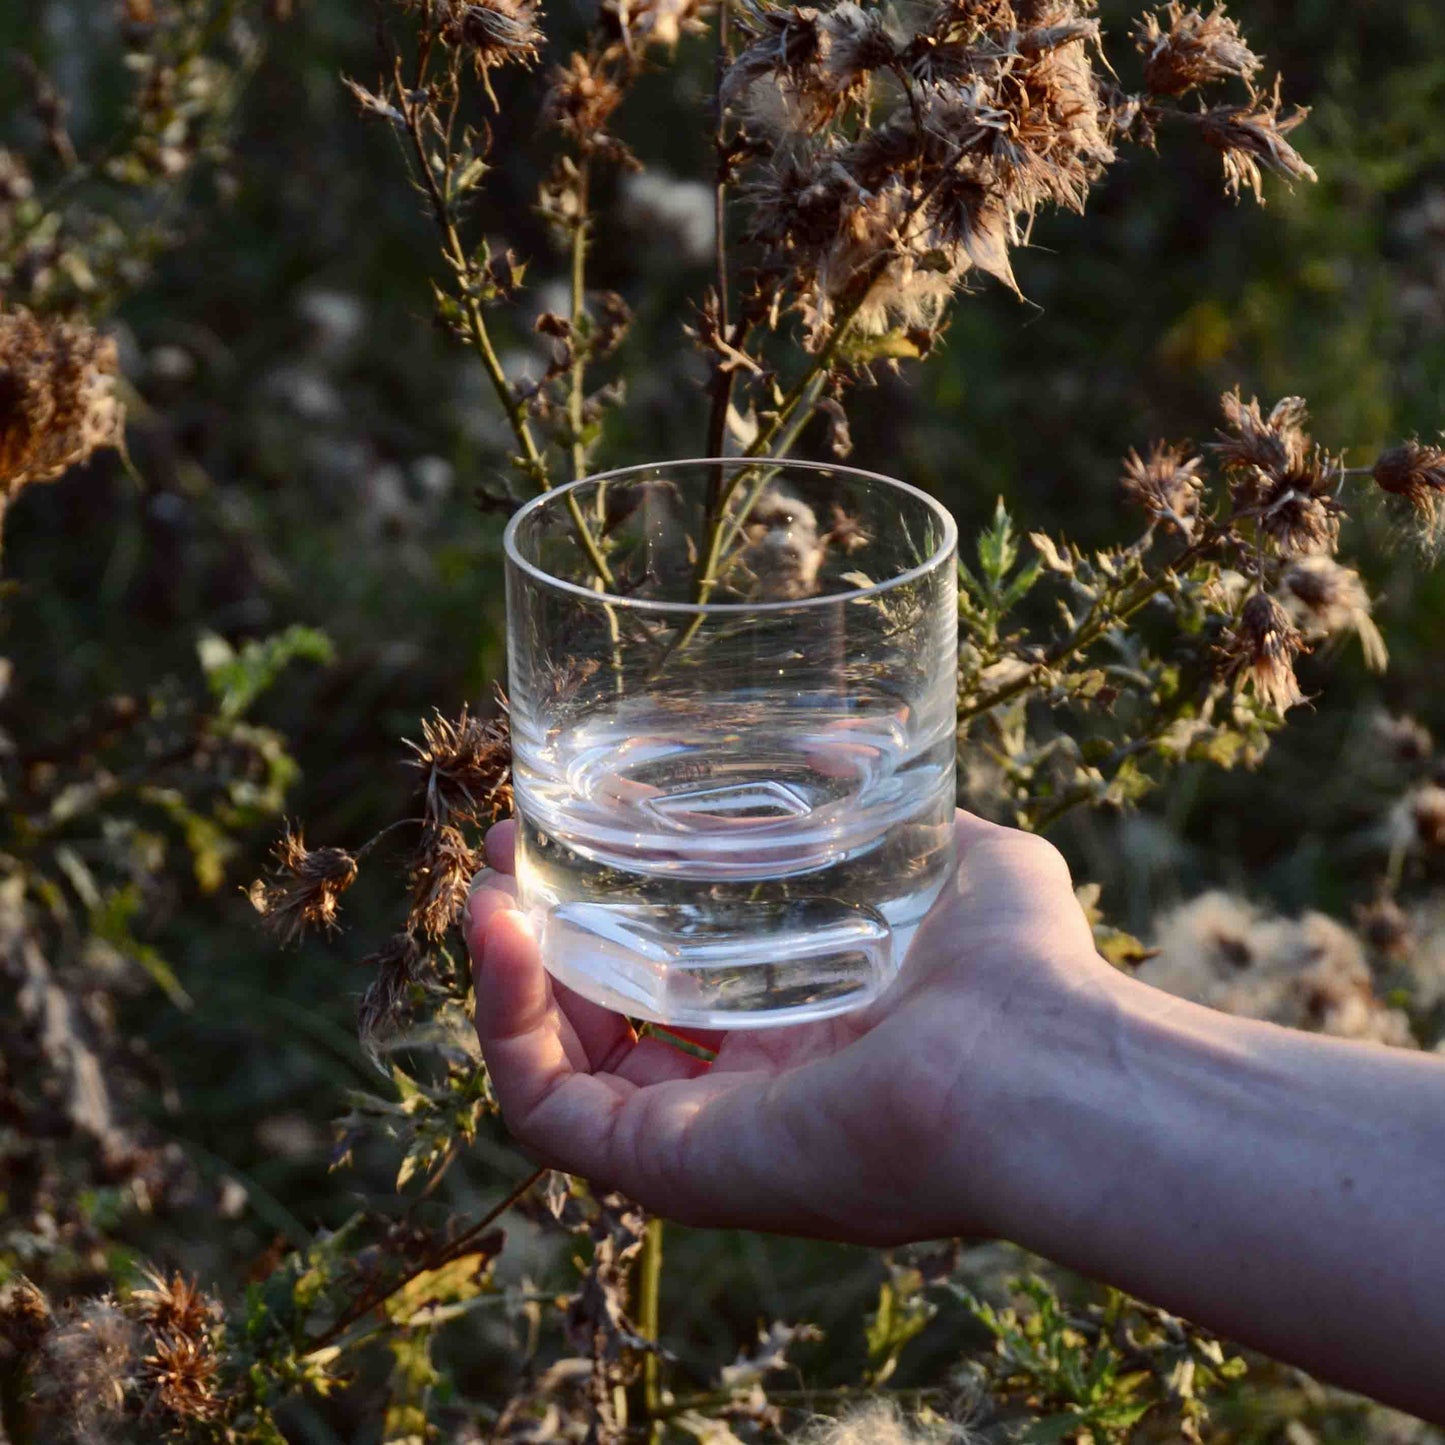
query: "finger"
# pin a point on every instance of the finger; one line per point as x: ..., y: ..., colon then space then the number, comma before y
x: 655, y: 1061
x: 736, y: 1150
x: 490, y: 895
x: 529, y: 1046
x: 501, y: 846
x: 605, y: 1035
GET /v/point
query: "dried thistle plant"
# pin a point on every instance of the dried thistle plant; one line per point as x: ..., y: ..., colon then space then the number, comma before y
x: 58, y: 404
x: 304, y: 888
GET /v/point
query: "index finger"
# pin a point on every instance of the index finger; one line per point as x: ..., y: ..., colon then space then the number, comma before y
x: 501, y: 846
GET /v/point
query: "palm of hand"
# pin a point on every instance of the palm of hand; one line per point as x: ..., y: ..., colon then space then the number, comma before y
x: 826, y: 1128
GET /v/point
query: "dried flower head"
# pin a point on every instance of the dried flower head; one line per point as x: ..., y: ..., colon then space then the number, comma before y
x: 1166, y: 486
x: 184, y: 1373
x: 57, y: 398
x: 1416, y: 472
x: 1183, y: 48
x: 442, y: 870
x: 25, y: 1317
x: 1261, y: 650
x: 1276, y: 444
x: 882, y: 1423
x: 304, y: 887
x: 1280, y: 479
x: 468, y: 763
x: 640, y: 23
x: 1406, y: 739
x: 1328, y: 600
x: 581, y: 98
x: 174, y: 1306
x: 397, y: 968
x: 885, y: 166
x: 1252, y: 139
x: 492, y: 32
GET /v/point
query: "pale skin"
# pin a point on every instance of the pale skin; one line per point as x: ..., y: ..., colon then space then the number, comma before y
x: 1284, y: 1189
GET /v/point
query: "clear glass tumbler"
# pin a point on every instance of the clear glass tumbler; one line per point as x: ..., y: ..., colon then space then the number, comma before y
x: 733, y: 721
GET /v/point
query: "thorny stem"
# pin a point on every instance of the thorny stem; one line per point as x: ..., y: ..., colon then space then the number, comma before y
x: 577, y: 394
x: 722, y: 381
x: 1089, y: 631
x: 649, y: 1289
x: 373, y: 1299
x: 456, y: 256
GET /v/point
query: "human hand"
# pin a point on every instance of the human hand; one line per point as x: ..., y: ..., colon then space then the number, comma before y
x: 878, y: 1127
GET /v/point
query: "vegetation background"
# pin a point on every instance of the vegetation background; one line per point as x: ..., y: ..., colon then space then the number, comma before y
x: 306, y: 449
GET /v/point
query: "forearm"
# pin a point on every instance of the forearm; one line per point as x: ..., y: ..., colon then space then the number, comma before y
x: 1284, y: 1189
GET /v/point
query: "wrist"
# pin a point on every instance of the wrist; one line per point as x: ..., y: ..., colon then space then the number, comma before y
x: 1064, y: 1106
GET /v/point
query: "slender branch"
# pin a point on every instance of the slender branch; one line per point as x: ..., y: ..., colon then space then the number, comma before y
x: 1094, y: 626
x: 372, y: 1299
x: 649, y: 1290
x: 722, y: 378
x: 461, y: 264
x: 577, y: 390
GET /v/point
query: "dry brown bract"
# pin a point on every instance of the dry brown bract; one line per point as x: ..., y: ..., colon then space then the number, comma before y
x: 397, y: 967
x: 468, y: 763
x: 493, y: 32
x: 1191, y: 49
x: 1261, y: 650
x: 1280, y: 479
x: 25, y: 1317
x: 173, y: 1307
x: 1166, y: 486
x: 57, y: 398
x: 304, y: 888
x: 1252, y: 140
x: 1416, y: 472
x: 182, y: 1370
x: 443, y: 868
x: 1328, y: 600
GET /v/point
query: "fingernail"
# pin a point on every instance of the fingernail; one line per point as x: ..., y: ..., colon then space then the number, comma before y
x: 482, y: 878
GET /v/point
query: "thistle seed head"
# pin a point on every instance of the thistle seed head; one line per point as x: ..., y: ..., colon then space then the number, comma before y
x: 1252, y: 139
x: 1184, y: 49
x: 492, y: 32
x: 1166, y: 485
x: 304, y: 887
x: 1260, y: 652
x: 57, y: 398
x: 1415, y: 472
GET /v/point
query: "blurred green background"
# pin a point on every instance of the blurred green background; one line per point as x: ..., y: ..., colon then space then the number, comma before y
x: 310, y: 445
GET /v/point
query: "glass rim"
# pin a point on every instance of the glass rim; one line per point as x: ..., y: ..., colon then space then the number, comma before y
x: 940, y: 554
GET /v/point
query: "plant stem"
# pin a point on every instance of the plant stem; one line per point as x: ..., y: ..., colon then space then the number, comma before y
x: 372, y: 1299
x: 577, y: 391
x: 456, y: 256
x: 649, y: 1288
x: 722, y: 380
x: 1089, y: 631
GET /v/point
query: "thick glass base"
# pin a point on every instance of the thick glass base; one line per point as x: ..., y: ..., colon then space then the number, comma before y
x: 762, y: 966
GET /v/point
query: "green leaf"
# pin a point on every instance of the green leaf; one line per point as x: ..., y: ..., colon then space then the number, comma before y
x: 110, y: 921
x: 891, y: 346
x: 237, y: 678
x: 451, y: 1283
x: 998, y: 548
x: 902, y: 1314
